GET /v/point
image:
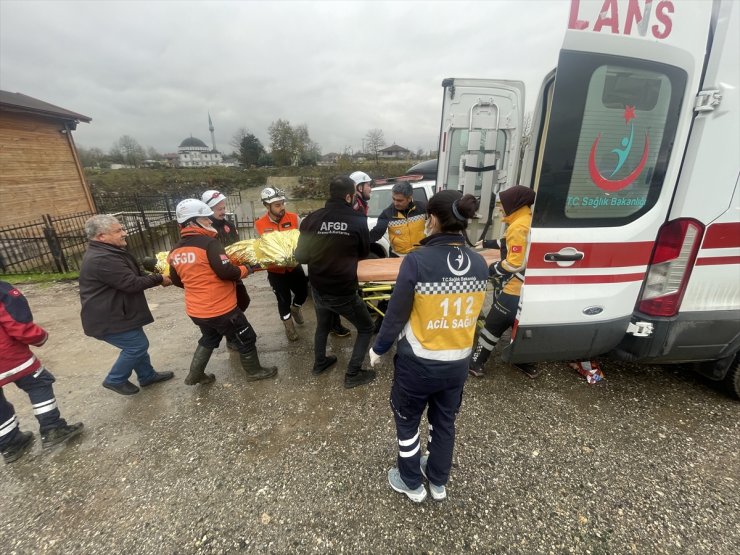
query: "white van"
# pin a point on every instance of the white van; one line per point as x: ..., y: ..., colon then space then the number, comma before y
x: 635, y: 157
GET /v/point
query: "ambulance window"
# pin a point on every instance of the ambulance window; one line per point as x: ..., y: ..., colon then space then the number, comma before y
x: 609, y: 141
x: 459, y: 147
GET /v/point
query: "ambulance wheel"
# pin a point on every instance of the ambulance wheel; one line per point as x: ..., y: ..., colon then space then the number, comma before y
x: 731, y: 382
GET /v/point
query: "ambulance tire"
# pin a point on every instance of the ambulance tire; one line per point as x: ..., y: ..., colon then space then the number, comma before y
x: 731, y: 381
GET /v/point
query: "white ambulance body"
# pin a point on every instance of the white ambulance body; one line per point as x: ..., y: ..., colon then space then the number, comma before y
x: 635, y: 157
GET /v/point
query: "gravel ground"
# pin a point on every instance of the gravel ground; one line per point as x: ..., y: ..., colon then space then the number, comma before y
x: 646, y: 462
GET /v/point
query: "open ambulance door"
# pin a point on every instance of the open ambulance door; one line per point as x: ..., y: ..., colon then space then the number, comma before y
x: 479, y: 138
x: 609, y: 149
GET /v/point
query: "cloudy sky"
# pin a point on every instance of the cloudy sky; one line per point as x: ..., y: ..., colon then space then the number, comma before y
x: 153, y: 70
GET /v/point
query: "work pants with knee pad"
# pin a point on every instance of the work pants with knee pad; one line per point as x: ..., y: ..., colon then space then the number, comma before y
x: 413, y: 391
x: 40, y: 391
x: 289, y: 288
x: 233, y: 325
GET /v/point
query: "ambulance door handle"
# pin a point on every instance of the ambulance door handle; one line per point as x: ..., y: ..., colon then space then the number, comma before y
x: 566, y: 256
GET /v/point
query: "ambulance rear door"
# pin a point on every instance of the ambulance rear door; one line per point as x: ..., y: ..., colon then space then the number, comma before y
x: 479, y: 137
x: 608, y: 160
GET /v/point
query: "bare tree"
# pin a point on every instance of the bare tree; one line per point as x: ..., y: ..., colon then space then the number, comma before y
x: 374, y: 141
x: 128, y: 151
x: 236, y: 140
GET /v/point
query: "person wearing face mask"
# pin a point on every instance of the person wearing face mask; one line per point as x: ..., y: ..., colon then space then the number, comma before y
x: 432, y: 316
x: 198, y: 263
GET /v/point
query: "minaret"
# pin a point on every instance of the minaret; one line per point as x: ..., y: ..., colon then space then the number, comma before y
x: 211, y: 128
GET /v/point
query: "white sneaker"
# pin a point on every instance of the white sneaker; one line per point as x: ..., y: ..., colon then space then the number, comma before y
x: 394, y: 479
x: 439, y: 493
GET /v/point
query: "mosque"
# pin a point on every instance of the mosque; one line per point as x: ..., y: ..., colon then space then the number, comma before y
x: 194, y: 153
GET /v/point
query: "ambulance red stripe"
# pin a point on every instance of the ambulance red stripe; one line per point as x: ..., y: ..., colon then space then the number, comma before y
x: 722, y: 236
x: 595, y: 255
x: 583, y: 279
x: 717, y: 260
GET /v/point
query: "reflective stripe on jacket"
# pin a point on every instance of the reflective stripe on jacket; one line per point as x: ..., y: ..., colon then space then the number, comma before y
x: 17, y: 332
x: 405, y: 228
x: 435, y: 304
x: 517, y: 238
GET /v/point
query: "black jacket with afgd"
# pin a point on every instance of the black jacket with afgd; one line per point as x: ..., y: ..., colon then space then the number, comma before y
x: 331, y: 242
x: 112, y: 291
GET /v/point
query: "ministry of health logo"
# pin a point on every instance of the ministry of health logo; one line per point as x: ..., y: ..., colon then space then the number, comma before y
x: 606, y: 183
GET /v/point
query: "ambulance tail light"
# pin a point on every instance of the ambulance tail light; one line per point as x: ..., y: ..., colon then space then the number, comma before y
x: 670, y: 267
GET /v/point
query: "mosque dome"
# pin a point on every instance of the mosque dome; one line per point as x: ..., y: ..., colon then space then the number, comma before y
x: 192, y: 142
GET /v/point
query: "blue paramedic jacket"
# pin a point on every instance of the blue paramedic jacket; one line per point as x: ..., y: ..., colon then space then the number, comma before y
x: 435, y: 305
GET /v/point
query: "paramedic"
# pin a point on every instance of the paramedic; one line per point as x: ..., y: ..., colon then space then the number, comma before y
x: 404, y: 219
x: 290, y: 285
x: 516, y: 202
x: 20, y: 365
x: 199, y: 264
x: 439, y: 293
x: 332, y: 241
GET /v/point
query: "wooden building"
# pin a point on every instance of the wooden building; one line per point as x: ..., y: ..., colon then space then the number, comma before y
x: 40, y: 171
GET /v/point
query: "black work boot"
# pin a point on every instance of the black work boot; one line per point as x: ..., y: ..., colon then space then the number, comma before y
x: 253, y: 368
x: 55, y: 436
x: 15, y: 449
x: 478, y: 360
x: 197, y: 373
x: 360, y: 378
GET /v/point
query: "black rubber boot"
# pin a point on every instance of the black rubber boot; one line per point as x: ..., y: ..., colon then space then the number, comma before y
x: 478, y: 360
x: 253, y: 368
x: 198, y: 367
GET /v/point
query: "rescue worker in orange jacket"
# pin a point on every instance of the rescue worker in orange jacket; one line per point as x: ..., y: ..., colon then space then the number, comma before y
x: 199, y: 264
x: 290, y: 285
x: 516, y: 202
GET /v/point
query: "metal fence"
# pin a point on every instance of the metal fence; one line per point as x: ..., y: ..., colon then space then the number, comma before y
x: 57, y: 243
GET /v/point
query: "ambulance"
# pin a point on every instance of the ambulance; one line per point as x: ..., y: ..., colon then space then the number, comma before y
x: 634, y: 153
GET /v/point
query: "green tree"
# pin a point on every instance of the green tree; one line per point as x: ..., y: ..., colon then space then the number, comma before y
x: 250, y: 150
x: 292, y: 146
x: 281, y: 142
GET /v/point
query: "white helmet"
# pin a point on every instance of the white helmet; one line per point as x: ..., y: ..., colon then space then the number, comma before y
x: 270, y: 195
x: 192, y: 208
x: 212, y: 198
x: 360, y: 177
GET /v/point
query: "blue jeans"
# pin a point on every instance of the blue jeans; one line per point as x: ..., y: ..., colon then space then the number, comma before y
x: 134, y: 356
x: 353, y: 308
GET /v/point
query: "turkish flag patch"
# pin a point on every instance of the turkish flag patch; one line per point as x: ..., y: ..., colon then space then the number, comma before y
x: 224, y: 259
x: 516, y: 248
x: 15, y: 292
x: 227, y: 228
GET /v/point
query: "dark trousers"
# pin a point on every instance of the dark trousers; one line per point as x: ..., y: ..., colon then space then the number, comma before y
x: 411, y: 393
x: 354, y: 310
x: 500, y: 317
x: 233, y: 325
x: 40, y: 391
x: 289, y: 288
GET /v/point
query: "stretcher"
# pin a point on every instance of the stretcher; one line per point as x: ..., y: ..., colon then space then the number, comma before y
x: 378, y: 276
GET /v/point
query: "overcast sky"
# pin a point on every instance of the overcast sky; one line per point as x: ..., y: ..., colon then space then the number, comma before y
x: 153, y: 70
